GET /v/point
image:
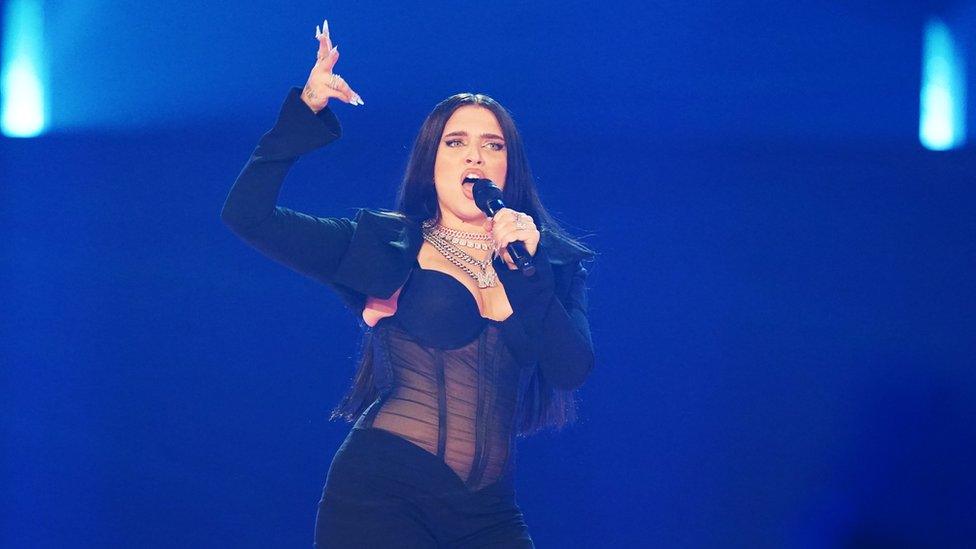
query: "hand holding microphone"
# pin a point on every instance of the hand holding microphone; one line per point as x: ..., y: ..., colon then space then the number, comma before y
x: 513, y: 231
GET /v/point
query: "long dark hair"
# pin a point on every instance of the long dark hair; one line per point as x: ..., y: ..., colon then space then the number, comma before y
x: 543, y: 406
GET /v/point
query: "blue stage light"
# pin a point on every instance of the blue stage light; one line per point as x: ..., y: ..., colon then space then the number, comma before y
x: 942, y: 121
x: 22, y: 113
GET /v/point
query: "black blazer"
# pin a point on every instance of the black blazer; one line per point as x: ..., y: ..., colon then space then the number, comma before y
x: 372, y: 254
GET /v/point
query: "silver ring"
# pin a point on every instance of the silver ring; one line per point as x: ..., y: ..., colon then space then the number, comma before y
x: 520, y: 221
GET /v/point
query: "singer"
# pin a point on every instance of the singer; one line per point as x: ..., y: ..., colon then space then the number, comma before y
x: 461, y: 352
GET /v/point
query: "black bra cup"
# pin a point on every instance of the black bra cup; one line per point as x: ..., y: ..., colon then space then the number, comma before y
x: 438, y: 311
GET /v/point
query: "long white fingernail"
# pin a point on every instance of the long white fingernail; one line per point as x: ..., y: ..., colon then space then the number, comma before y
x: 317, y: 31
x: 325, y: 26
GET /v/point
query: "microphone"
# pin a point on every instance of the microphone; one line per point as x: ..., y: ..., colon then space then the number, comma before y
x: 488, y: 198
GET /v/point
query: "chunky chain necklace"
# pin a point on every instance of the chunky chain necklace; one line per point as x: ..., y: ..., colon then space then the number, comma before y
x: 479, y: 241
x: 446, y: 241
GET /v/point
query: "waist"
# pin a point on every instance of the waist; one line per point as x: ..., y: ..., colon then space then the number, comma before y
x: 389, y: 455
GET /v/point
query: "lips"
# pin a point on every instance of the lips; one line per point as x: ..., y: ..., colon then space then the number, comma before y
x: 476, y: 174
x: 467, y: 185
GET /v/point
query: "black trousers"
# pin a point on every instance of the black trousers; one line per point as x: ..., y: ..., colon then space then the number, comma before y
x: 384, y: 491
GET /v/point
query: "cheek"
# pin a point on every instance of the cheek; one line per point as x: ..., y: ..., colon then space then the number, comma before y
x: 443, y: 164
x: 440, y: 187
x: 442, y: 180
x: 500, y: 175
x: 443, y: 183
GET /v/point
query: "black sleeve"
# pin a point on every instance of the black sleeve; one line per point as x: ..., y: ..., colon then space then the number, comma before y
x: 555, y: 332
x: 310, y: 245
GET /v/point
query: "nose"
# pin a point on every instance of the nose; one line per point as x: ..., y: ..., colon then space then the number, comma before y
x: 474, y: 156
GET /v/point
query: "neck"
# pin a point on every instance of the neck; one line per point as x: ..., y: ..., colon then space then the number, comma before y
x: 451, y: 221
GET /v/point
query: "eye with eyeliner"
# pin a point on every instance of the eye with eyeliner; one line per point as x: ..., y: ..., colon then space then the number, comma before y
x: 492, y: 145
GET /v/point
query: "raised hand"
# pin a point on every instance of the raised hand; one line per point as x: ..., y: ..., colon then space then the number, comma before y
x: 322, y: 83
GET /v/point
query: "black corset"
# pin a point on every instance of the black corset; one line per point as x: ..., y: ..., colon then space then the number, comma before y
x: 448, y: 381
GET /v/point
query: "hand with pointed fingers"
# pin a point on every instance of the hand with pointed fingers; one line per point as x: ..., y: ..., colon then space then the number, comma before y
x: 323, y: 84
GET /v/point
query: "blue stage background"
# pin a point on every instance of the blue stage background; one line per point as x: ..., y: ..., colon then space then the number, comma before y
x: 782, y: 307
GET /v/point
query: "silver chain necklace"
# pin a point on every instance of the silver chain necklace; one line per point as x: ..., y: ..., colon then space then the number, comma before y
x: 443, y: 240
x: 479, y: 241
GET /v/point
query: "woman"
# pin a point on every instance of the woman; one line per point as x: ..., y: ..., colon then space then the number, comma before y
x: 461, y: 352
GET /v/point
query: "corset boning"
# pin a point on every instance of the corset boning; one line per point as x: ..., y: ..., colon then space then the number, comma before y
x: 447, y: 380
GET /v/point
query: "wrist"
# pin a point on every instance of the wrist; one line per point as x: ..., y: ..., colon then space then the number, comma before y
x: 522, y: 289
x: 313, y: 100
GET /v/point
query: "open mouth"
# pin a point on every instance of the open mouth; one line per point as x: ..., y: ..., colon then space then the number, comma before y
x: 472, y: 176
x: 468, y: 182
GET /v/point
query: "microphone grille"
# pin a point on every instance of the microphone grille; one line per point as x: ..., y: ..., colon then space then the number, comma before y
x: 484, y: 191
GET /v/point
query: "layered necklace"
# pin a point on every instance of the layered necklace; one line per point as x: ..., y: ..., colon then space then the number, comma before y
x: 449, y: 242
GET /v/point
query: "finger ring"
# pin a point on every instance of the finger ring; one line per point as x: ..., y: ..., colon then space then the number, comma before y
x: 520, y: 221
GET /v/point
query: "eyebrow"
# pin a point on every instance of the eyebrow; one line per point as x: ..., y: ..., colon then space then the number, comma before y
x: 465, y: 134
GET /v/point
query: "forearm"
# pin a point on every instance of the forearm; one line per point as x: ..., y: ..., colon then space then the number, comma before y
x: 560, y: 343
x: 543, y: 329
x: 253, y: 197
x: 310, y: 245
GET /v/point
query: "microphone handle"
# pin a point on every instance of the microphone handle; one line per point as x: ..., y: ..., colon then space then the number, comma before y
x: 520, y: 256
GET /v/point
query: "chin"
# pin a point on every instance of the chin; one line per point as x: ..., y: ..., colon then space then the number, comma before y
x: 470, y: 215
x: 476, y: 216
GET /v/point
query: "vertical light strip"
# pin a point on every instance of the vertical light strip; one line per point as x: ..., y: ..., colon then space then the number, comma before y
x: 942, y: 124
x: 22, y: 71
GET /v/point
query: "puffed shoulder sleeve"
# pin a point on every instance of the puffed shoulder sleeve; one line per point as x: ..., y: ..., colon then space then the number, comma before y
x: 311, y: 245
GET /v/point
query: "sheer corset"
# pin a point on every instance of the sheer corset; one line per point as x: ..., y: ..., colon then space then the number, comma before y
x: 455, y: 399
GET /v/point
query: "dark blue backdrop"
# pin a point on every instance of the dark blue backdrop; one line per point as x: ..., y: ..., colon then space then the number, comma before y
x: 782, y: 307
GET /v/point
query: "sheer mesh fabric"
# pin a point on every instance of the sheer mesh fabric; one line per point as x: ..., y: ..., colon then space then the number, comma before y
x: 448, y: 382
